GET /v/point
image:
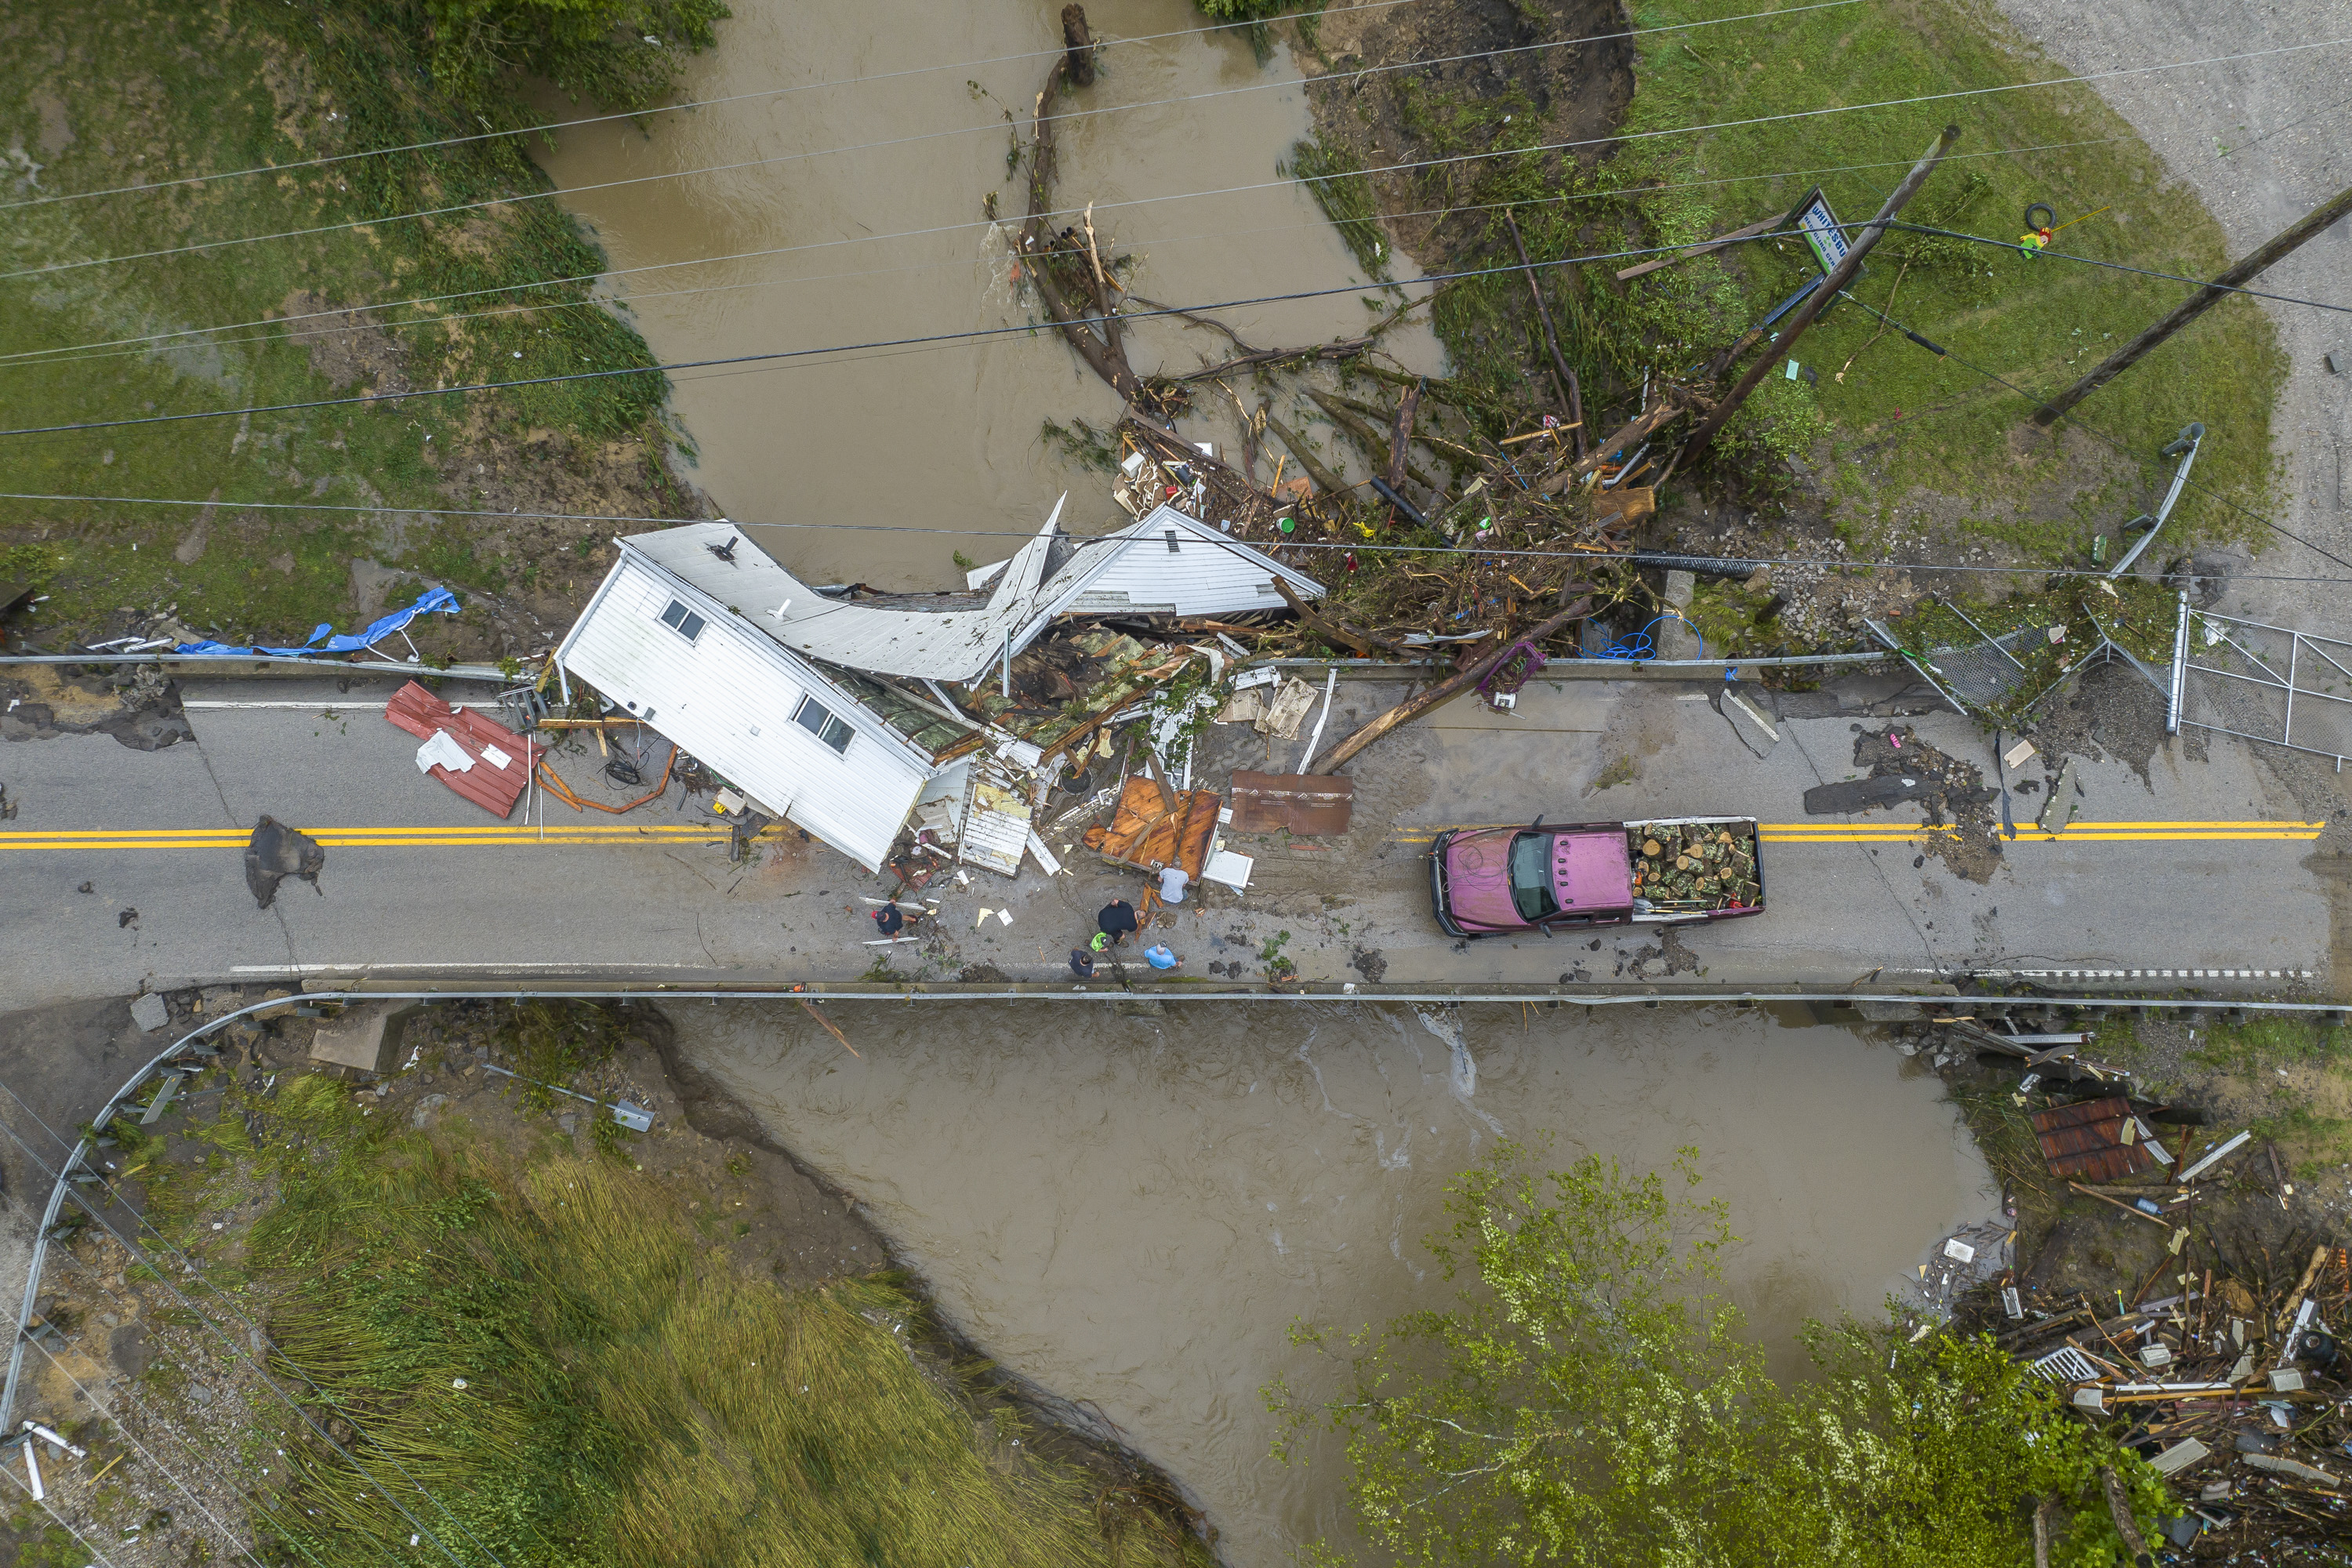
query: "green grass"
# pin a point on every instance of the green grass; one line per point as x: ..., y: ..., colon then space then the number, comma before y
x: 632, y: 1396
x: 2039, y: 324
x: 1921, y: 420
x: 152, y: 91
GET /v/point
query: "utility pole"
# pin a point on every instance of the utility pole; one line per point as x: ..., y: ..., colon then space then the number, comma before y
x: 2196, y: 305
x: 1819, y: 300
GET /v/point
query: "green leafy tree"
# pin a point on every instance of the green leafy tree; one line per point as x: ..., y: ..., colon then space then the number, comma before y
x: 625, y: 54
x: 1589, y: 1399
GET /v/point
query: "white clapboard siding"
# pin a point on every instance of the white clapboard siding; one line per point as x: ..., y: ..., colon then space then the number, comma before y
x: 728, y: 699
x: 1207, y: 573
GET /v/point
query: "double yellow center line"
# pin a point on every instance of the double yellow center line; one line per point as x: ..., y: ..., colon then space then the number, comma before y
x: 593, y: 833
x: 1914, y: 832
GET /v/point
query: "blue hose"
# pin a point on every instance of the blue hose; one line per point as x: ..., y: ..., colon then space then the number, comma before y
x: 1638, y: 645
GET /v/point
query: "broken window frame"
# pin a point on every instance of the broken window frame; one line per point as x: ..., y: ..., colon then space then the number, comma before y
x: 829, y: 727
x: 686, y: 616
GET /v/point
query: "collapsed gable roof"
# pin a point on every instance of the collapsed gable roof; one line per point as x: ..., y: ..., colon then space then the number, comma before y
x: 951, y: 645
x: 1165, y: 561
x: 1213, y: 574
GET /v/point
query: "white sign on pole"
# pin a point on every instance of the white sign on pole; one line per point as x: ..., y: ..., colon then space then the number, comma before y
x: 1819, y: 227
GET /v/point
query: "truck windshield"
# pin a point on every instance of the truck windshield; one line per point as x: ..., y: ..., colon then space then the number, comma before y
x: 1531, y: 876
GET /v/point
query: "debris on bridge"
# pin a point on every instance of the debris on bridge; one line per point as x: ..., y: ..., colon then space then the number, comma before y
x: 276, y: 852
x: 476, y: 757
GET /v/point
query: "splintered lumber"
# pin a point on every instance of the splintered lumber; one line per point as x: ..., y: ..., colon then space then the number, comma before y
x: 1443, y: 691
x: 827, y: 1025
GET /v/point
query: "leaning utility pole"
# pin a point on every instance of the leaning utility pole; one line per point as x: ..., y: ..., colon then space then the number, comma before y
x: 2196, y: 305
x: 1818, y: 301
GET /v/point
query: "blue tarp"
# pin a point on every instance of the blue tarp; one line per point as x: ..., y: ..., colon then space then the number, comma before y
x: 432, y: 601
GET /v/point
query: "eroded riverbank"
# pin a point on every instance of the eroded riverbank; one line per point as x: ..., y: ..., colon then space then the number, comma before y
x: 1130, y: 1211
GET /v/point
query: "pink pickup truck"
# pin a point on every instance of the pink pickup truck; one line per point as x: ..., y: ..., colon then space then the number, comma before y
x: 1494, y: 881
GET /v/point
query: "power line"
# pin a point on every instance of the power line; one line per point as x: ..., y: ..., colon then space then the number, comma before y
x: 1361, y: 549
x: 120, y: 1425
x: 513, y: 200
x: 929, y: 338
x: 59, y: 354
x: 106, y: 1561
x: 75, y: 1192
x: 810, y: 86
x: 2115, y: 266
x: 205, y: 246
x: 2094, y: 430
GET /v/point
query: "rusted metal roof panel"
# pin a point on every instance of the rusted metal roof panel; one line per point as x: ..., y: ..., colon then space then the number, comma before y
x: 1144, y: 832
x: 2086, y: 1140
x: 490, y: 784
x: 1311, y: 805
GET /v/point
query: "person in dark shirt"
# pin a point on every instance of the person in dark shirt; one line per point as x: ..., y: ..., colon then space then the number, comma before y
x: 1117, y: 919
x: 1082, y: 964
x: 890, y: 920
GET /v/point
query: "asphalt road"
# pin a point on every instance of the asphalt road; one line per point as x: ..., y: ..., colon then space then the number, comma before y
x: 2202, y: 873
x: 2261, y: 141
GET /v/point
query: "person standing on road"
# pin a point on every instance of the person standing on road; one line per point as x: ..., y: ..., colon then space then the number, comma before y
x: 890, y: 920
x: 1173, y: 882
x: 1161, y: 956
x: 1116, y: 921
x: 1082, y: 964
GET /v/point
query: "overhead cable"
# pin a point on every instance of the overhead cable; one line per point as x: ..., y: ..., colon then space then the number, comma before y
x: 1060, y: 118
x: 640, y: 115
x: 514, y: 200
x: 50, y: 355
x: 1856, y: 563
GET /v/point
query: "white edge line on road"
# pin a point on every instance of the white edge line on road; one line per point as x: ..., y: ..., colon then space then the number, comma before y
x: 473, y: 968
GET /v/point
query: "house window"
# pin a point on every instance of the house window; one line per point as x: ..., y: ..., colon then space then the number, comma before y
x: 682, y: 621
x: 819, y: 720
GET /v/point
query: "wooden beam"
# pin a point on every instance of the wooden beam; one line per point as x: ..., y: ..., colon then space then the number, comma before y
x: 1644, y: 268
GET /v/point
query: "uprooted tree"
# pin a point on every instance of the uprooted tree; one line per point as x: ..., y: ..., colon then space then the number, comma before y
x: 1589, y: 1399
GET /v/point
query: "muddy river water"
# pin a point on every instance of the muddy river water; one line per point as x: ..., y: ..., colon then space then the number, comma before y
x: 1131, y: 1210
x: 886, y: 240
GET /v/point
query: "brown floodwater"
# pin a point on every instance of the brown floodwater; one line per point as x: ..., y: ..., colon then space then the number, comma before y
x: 1131, y: 1210
x: 888, y: 242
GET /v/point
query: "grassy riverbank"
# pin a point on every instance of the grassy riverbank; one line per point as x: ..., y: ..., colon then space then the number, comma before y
x: 584, y: 1348
x: 1912, y: 454
x: 102, y: 97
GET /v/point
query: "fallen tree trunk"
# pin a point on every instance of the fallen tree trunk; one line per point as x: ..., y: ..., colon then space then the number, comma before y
x: 1443, y: 691
x: 1375, y: 445
x: 1336, y: 631
x: 1105, y: 355
x: 1571, y: 396
x: 1325, y: 480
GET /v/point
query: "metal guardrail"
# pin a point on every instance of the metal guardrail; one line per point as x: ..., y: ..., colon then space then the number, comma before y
x: 268, y: 664
x: 1946, y: 996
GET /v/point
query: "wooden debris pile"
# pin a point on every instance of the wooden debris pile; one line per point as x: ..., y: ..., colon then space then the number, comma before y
x: 1695, y: 866
x: 2233, y: 1384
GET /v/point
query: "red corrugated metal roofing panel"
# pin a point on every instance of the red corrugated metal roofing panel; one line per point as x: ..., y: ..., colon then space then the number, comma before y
x: 2087, y: 1141
x: 488, y: 785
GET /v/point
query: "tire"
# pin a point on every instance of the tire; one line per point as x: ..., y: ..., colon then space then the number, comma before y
x: 2049, y: 214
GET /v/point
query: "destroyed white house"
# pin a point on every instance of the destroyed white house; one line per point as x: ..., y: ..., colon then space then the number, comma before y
x: 836, y: 712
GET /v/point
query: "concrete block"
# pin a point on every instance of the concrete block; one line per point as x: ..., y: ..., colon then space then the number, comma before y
x: 363, y: 1037
x: 1674, y: 638
x: 149, y: 1012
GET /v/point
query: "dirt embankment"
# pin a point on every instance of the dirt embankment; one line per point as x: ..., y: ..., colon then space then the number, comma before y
x: 1480, y: 53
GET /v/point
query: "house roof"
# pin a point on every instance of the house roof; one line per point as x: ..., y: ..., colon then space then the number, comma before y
x: 1093, y: 557
x: 951, y: 644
